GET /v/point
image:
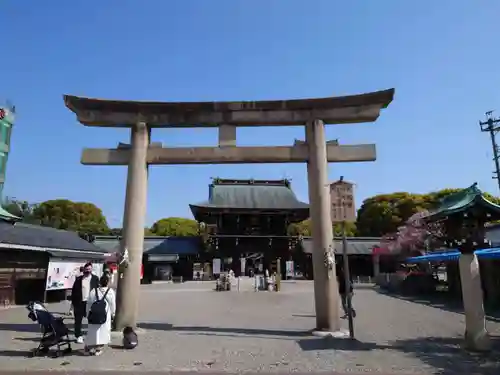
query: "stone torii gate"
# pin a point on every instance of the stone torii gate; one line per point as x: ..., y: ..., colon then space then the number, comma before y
x: 141, y: 117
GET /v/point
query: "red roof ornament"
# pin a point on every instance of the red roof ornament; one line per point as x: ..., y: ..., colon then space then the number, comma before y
x: 3, y: 114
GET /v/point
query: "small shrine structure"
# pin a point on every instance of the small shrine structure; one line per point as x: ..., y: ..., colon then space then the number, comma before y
x: 460, y: 222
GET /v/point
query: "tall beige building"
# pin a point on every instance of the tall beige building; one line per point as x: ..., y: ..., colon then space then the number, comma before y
x: 342, y: 199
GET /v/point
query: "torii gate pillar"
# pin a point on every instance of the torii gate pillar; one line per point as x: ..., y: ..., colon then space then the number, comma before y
x: 326, y: 294
x: 133, y: 228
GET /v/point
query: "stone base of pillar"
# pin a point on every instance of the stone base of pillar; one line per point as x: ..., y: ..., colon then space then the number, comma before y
x: 477, y: 341
x: 476, y: 336
x: 341, y: 334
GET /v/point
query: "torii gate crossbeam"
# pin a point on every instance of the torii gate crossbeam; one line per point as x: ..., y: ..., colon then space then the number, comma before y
x: 228, y: 155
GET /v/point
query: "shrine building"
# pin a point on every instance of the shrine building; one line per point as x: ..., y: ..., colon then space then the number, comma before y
x: 249, y: 219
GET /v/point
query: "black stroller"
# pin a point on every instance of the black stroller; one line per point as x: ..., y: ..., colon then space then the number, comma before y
x: 54, y: 332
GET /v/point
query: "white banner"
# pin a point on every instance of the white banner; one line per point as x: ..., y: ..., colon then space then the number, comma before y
x: 216, y: 266
x: 62, y: 274
x: 243, y: 263
x: 289, y: 268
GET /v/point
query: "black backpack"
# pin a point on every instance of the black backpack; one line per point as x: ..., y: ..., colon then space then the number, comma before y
x: 97, y: 313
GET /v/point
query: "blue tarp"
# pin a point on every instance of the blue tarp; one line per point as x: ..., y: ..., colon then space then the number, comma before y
x: 453, y: 255
x: 489, y: 253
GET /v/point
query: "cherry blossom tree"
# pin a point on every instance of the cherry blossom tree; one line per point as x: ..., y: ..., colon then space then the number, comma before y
x: 417, y: 234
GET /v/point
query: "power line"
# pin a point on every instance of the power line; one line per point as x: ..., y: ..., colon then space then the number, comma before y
x: 492, y: 126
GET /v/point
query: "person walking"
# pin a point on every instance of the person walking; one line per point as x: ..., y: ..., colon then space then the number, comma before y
x: 68, y: 294
x: 344, y: 292
x: 101, y: 306
x: 79, y: 295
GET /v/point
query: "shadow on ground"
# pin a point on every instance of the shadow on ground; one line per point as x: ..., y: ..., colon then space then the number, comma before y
x: 445, y: 355
x: 364, y: 286
x: 28, y: 339
x: 315, y: 344
x: 304, y: 315
x: 23, y: 327
x: 441, y: 302
x: 29, y: 354
x: 16, y: 353
x: 27, y: 327
x: 30, y: 326
x: 229, y: 331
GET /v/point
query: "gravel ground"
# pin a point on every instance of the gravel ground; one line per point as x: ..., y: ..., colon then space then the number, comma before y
x: 189, y: 327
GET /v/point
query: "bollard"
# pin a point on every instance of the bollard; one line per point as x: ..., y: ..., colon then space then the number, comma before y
x: 278, y: 275
x: 347, y: 278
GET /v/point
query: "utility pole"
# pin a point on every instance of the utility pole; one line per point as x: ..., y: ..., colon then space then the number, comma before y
x: 492, y: 126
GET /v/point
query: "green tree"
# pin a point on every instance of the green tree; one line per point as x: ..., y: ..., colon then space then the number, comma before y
x: 21, y: 209
x: 80, y: 217
x: 175, y: 226
x: 115, y: 232
x: 118, y: 232
x: 304, y: 229
x: 384, y: 214
x: 350, y: 229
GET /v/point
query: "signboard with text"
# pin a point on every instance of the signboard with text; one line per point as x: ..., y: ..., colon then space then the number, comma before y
x: 342, y: 201
x: 62, y: 274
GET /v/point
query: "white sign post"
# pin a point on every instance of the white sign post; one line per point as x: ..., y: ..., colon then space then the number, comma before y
x: 216, y: 266
x: 243, y: 264
x: 289, y: 268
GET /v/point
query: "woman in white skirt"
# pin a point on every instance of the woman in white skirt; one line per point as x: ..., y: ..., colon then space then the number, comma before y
x: 99, y: 335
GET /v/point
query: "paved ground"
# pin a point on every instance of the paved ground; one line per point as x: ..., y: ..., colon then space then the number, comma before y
x: 190, y: 328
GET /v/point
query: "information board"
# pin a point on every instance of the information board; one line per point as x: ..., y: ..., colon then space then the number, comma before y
x: 61, y: 274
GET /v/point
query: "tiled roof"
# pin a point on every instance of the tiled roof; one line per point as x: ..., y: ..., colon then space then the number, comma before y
x: 5, y: 215
x: 463, y: 200
x: 177, y: 245
x: 355, y: 245
x: 247, y: 194
x: 341, y: 182
x: 43, y: 237
x: 156, y: 245
x: 108, y: 245
x: 84, y: 256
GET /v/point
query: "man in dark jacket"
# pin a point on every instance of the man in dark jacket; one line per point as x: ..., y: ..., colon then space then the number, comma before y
x: 82, y: 287
x: 345, y: 293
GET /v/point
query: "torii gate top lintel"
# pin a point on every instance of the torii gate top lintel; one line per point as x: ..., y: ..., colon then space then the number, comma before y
x: 334, y: 110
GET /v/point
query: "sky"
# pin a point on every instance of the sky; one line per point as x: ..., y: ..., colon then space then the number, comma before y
x: 442, y: 58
